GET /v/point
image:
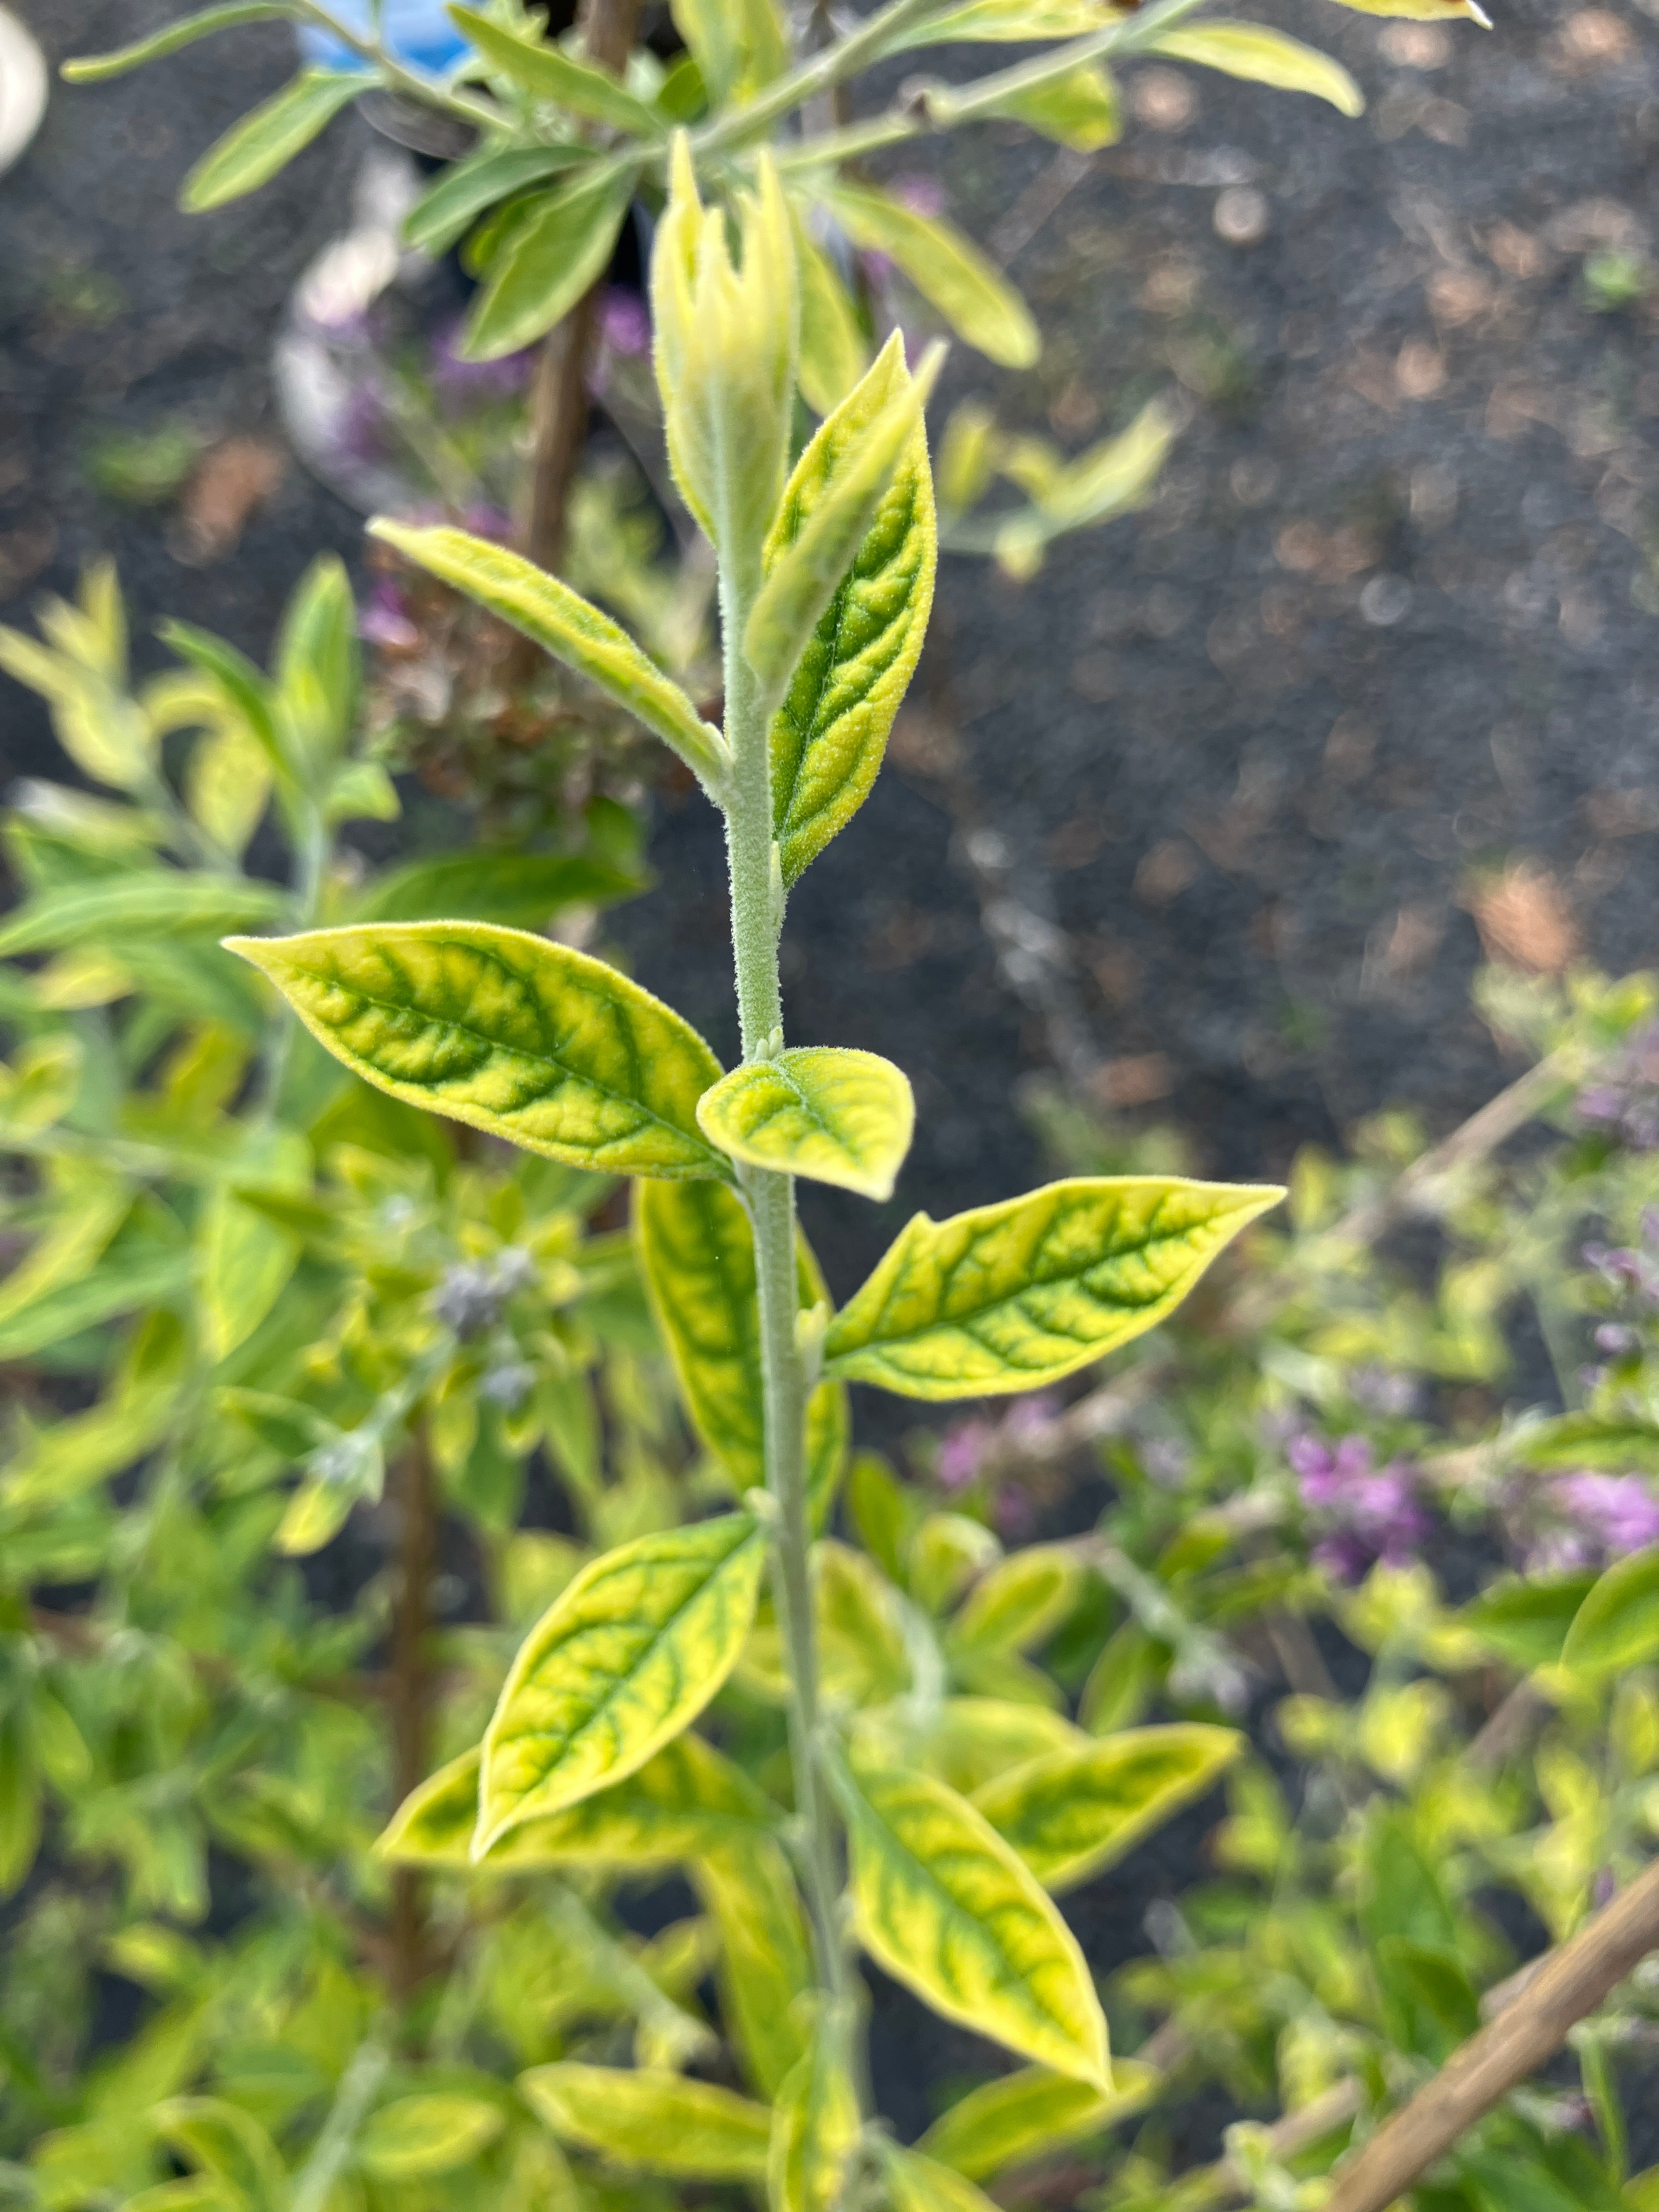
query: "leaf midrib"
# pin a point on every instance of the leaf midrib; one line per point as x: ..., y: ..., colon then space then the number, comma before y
x: 571, y: 1074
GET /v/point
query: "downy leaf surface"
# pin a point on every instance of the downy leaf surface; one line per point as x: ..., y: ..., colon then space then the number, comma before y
x: 943, y: 1903
x: 627, y: 1657
x: 252, y: 151
x: 835, y: 1116
x: 685, y: 1802
x: 1008, y: 1297
x: 651, y: 2119
x: 1030, y: 2113
x: 530, y: 1040
x: 697, y: 1254
x: 564, y: 624
x: 1074, y: 1811
x: 947, y: 269
x: 829, y: 733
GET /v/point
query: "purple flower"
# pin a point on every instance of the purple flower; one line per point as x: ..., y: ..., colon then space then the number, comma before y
x: 961, y: 1452
x: 922, y: 194
x: 358, y: 431
x: 1029, y: 1420
x: 385, y: 620
x: 463, y: 383
x: 625, y: 322
x: 1616, y: 1511
x: 1369, y: 1513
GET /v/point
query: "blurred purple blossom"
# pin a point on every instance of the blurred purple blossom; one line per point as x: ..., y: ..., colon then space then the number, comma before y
x: 962, y: 1449
x: 386, y: 620
x: 1625, y: 1103
x: 462, y: 383
x: 358, y: 431
x: 1617, y: 1512
x: 1384, y: 1390
x: 921, y: 193
x: 967, y: 1445
x: 624, y: 321
x: 1369, y: 1513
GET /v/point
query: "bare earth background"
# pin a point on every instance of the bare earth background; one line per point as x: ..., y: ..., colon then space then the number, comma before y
x: 1235, y: 783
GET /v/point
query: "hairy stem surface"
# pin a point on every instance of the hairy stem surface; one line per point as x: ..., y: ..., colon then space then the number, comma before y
x: 756, y: 921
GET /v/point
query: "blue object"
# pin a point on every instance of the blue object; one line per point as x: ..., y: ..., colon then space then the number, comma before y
x: 417, y: 33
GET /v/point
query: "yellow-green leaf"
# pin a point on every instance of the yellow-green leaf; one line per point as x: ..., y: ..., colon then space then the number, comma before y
x: 226, y: 2142
x: 944, y: 1906
x: 805, y: 571
x: 697, y: 1253
x: 994, y: 22
x: 739, y: 46
x: 1423, y: 11
x: 816, y: 2123
x: 1030, y: 2113
x: 834, y: 354
x: 552, y: 255
x: 653, y: 2119
x: 563, y: 623
x: 1080, y: 109
x: 765, y: 1963
x: 1075, y: 1811
x: 916, y: 2183
x: 1011, y: 1296
x: 965, y: 1741
x: 95, y: 69
x: 622, y: 1661
x: 245, y: 1257
x: 530, y: 1040
x: 1262, y: 55
x: 435, y: 2134
x: 835, y: 1115
x: 1020, y: 1601
x: 686, y: 1801
x: 948, y: 270
x: 252, y: 151
x: 829, y: 734
x: 547, y: 72
x: 1617, y: 1626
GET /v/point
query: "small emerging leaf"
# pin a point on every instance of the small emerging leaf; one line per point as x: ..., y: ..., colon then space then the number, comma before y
x: 562, y: 623
x: 528, y: 1040
x: 1073, y: 1812
x: 252, y: 151
x: 831, y: 732
x: 623, y: 1660
x: 1262, y: 55
x: 943, y: 1903
x: 839, y: 1117
x: 1008, y: 1297
x: 651, y: 2119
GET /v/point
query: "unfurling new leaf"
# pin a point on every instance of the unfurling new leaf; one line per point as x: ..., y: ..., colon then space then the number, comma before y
x: 530, y: 1040
x: 944, y: 1906
x: 1008, y: 1297
x: 835, y: 1116
x: 623, y: 1660
x: 831, y: 731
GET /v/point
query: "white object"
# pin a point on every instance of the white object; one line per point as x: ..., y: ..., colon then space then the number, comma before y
x: 22, y: 88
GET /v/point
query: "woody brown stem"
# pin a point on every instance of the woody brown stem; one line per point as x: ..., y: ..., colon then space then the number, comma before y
x: 559, y: 396
x: 409, y: 1688
x: 1566, y: 1989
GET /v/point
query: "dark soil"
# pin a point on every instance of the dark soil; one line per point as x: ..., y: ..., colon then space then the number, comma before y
x: 1240, y: 767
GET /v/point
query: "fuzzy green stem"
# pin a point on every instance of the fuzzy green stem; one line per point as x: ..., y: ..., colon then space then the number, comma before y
x: 755, y: 923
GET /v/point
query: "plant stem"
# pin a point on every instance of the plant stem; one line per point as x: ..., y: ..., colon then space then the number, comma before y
x: 411, y: 1687
x: 482, y: 114
x: 756, y: 924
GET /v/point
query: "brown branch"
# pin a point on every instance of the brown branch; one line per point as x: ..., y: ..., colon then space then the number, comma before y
x: 1566, y: 1989
x: 559, y: 397
x: 409, y: 1688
